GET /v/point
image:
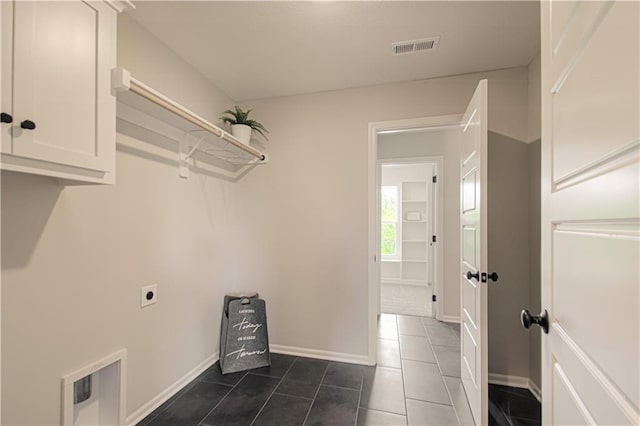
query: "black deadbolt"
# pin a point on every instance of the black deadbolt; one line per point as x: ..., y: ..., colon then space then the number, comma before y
x: 6, y: 118
x: 28, y: 125
x: 149, y: 295
x: 542, y: 320
x: 476, y: 275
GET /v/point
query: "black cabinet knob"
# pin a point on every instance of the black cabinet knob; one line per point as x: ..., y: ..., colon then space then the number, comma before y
x: 542, y: 320
x: 6, y: 118
x: 476, y: 275
x: 28, y: 125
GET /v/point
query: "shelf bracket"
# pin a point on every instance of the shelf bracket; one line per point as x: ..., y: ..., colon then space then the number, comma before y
x: 183, y: 159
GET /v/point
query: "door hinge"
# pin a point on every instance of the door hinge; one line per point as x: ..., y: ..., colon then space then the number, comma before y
x: 375, y: 258
x: 434, y: 179
x: 433, y: 238
x: 433, y: 298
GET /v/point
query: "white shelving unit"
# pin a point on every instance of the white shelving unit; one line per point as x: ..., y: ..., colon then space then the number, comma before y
x: 147, y: 108
x: 414, y: 233
x: 412, y: 267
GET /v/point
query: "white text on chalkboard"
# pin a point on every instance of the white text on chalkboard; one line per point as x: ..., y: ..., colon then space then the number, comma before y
x: 244, y: 324
x: 242, y: 352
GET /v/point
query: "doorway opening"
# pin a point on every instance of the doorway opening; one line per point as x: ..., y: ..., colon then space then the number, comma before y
x: 408, y: 235
x: 418, y: 260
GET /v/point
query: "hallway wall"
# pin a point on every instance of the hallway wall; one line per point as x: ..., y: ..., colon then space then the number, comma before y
x: 74, y: 258
x: 508, y: 243
x: 303, y: 217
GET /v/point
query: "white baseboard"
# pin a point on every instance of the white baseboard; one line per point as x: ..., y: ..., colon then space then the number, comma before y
x: 516, y: 382
x: 535, y: 390
x: 163, y: 396
x: 318, y: 354
x: 451, y: 318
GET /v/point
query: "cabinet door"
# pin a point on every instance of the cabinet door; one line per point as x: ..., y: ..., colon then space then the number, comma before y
x: 6, y: 29
x: 63, y: 52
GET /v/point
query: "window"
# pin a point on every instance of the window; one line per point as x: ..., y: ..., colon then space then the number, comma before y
x: 389, y: 234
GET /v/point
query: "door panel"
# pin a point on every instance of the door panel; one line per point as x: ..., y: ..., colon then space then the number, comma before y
x: 576, y: 122
x: 591, y: 212
x: 584, y: 288
x: 61, y: 78
x: 473, y: 248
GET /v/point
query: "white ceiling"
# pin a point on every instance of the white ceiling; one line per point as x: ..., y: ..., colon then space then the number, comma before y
x: 254, y: 50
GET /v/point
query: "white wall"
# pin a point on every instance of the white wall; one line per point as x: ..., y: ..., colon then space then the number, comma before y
x: 303, y: 218
x: 395, y: 174
x: 74, y: 259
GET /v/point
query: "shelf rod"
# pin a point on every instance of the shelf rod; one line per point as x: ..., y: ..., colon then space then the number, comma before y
x: 141, y: 90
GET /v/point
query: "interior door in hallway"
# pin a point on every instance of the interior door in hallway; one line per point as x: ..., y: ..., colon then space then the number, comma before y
x: 590, y: 212
x: 473, y: 253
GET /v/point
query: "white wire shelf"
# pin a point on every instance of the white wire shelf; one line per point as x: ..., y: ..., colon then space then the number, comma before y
x: 145, y: 107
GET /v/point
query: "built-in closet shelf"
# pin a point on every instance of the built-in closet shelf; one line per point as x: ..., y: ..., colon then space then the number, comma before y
x: 150, y: 109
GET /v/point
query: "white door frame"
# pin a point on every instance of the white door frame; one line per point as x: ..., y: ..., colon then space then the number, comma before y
x: 435, y: 253
x: 373, y: 181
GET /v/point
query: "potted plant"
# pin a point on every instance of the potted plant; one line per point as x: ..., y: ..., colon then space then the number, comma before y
x: 241, y: 125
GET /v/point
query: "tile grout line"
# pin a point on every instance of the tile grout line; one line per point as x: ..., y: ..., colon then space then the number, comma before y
x: 432, y: 402
x: 455, y: 410
x: 272, y: 392
x: 339, y: 387
x: 404, y: 391
x: 222, y: 399
x: 355, y: 422
x: 315, y: 396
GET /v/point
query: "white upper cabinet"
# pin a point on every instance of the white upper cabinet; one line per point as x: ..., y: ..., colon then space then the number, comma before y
x: 56, y: 63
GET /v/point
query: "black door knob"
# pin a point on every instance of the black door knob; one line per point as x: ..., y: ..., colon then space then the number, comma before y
x: 6, y: 118
x: 476, y: 275
x: 493, y: 276
x: 542, y: 320
x: 28, y: 125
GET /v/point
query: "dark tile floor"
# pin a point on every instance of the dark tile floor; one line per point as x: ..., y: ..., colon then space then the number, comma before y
x: 509, y: 406
x: 292, y: 391
x: 416, y: 382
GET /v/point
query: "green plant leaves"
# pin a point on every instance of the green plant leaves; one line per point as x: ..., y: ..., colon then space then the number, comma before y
x: 238, y: 116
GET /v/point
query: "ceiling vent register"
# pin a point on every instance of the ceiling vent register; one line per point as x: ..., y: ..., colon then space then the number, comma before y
x: 414, y: 46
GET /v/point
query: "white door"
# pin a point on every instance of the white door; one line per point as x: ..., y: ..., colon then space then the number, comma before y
x: 62, y: 106
x: 473, y: 235
x: 590, y: 212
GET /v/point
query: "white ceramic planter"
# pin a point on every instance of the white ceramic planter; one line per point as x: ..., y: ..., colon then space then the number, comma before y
x: 242, y: 132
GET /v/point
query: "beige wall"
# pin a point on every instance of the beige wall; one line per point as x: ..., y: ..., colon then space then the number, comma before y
x: 508, y: 243
x: 303, y: 218
x: 533, y: 95
x: 74, y: 259
x: 535, y: 354
x: 444, y: 143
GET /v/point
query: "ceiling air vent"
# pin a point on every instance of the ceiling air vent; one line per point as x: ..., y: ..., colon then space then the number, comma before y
x: 412, y: 46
